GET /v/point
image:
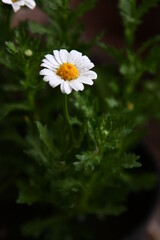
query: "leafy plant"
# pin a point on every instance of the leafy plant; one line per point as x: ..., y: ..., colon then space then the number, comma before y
x: 65, y: 179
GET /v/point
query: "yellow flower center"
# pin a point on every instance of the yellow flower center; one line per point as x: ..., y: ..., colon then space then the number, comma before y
x: 68, y: 71
x: 15, y: 1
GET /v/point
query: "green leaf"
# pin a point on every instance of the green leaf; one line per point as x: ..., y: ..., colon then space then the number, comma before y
x: 87, y: 161
x: 37, y: 28
x: 127, y: 10
x: 121, y: 132
x: 47, y: 138
x: 26, y: 195
x: 11, y: 107
x: 36, y: 150
x: 132, y: 14
x: 112, y: 102
x: 70, y: 186
x: 116, y: 53
x: 130, y: 161
x: 11, y: 47
x: 152, y: 60
x: 102, y: 131
x: 84, y: 7
x: 6, y: 60
x: 145, y: 6
x: 83, y: 103
x: 109, y: 210
x: 149, y: 43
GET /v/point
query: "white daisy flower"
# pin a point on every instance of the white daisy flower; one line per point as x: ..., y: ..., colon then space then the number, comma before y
x: 16, y: 4
x: 70, y: 70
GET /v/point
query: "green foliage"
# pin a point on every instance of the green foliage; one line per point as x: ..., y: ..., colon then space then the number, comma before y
x: 93, y: 170
x: 132, y: 15
x: 8, y: 108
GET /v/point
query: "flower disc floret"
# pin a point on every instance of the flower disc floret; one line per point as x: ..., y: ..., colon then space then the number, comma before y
x: 70, y: 70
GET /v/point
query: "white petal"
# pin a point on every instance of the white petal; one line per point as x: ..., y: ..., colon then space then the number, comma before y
x: 89, y: 74
x: 52, y: 60
x: 64, y: 55
x: 7, y: 1
x: 46, y: 71
x: 67, y: 88
x: 47, y: 66
x: 74, y: 85
x: 84, y: 63
x: 62, y: 87
x: 30, y: 4
x: 16, y: 6
x: 85, y: 80
x: 74, y: 56
x: 57, y: 56
x: 77, y: 86
x: 55, y: 82
x: 21, y: 3
x: 48, y: 78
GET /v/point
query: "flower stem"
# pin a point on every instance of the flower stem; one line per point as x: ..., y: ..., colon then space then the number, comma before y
x: 66, y: 114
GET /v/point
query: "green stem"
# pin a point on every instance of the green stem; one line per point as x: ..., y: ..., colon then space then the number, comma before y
x: 66, y: 114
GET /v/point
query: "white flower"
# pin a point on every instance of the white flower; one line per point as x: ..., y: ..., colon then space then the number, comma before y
x: 70, y: 70
x: 16, y: 4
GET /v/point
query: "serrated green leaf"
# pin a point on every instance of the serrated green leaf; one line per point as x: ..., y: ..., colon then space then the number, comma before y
x: 47, y: 139
x: 35, y: 149
x: 130, y: 161
x: 87, y: 161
